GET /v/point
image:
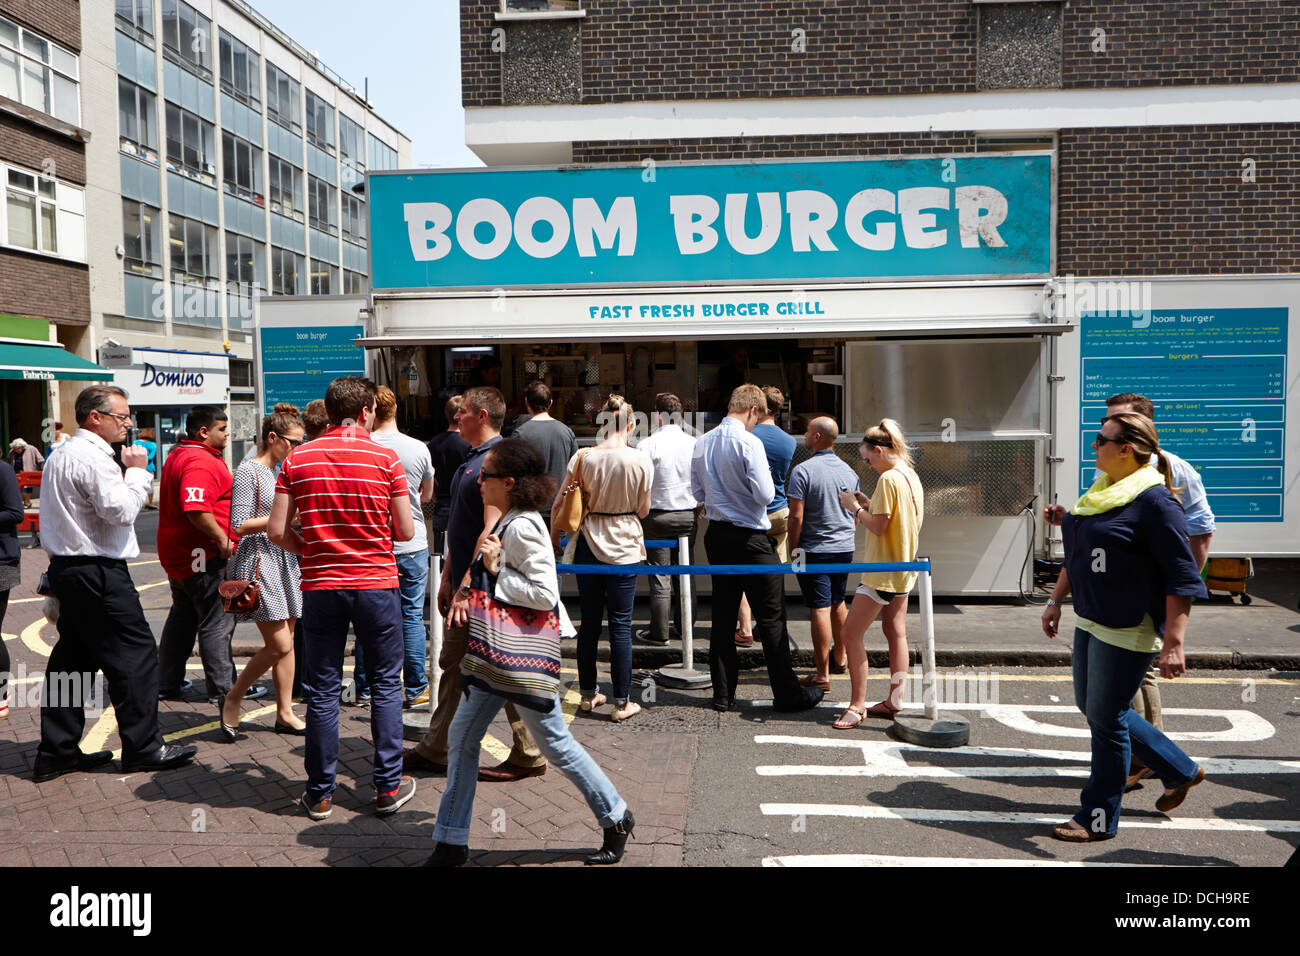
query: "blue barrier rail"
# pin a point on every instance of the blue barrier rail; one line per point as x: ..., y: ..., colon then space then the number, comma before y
x: 921, y: 565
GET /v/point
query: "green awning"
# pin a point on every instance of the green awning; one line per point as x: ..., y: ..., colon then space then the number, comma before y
x: 43, y: 363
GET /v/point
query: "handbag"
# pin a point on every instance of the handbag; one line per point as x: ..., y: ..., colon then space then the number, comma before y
x: 238, y: 595
x: 569, y: 517
x: 513, y: 652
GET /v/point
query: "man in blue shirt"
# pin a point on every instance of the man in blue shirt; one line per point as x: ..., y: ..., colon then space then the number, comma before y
x: 824, y: 530
x: 479, y: 419
x: 730, y: 474
x: 779, y: 449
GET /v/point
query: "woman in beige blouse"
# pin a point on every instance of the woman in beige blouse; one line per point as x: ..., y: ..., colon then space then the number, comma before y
x: 615, y: 480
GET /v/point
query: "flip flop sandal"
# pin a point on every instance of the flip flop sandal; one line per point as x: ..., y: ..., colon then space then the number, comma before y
x: 882, y: 710
x: 840, y: 720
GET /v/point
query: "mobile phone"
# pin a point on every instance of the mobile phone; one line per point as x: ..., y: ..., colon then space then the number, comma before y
x: 131, y: 435
x: 43, y: 586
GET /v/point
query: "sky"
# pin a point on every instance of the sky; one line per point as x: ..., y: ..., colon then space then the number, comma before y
x: 409, y: 49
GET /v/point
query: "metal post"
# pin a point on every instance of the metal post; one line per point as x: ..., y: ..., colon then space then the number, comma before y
x: 685, y: 674
x: 929, y: 694
x: 931, y: 729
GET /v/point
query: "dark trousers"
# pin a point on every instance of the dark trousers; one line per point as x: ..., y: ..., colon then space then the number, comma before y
x: 4, y: 651
x: 101, y: 628
x: 297, y: 691
x: 665, y: 590
x: 726, y: 543
x: 376, y: 616
x: 599, y: 594
x: 196, y: 612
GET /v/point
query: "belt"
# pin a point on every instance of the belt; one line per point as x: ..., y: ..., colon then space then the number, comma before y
x: 84, y: 559
x: 610, y: 514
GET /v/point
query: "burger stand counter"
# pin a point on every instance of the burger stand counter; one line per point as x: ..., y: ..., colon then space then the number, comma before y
x: 905, y: 288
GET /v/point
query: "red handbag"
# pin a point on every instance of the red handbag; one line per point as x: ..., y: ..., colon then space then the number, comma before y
x: 240, y: 596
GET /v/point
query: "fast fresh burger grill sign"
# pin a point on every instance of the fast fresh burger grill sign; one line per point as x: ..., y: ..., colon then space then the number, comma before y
x: 829, y: 221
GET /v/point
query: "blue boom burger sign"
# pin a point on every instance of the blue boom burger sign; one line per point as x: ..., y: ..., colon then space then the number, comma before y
x: 959, y: 216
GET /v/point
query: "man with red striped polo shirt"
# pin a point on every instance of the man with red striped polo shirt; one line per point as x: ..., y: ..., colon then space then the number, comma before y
x: 351, y: 495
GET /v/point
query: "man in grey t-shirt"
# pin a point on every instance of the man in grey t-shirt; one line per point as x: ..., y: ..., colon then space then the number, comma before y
x: 554, y: 438
x: 413, y: 555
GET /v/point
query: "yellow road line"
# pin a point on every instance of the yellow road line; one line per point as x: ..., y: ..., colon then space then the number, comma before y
x: 100, y: 731
x: 139, y: 587
x: 32, y: 638
x: 568, y: 703
x: 205, y: 728
x: 9, y: 637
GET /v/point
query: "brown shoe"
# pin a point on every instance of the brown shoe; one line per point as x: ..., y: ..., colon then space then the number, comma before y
x: 810, y: 680
x: 744, y: 640
x: 1172, y: 798
x: 412, y: 759
x: 505, y: 771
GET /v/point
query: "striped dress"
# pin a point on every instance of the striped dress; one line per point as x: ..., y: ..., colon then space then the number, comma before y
x: 279, y: 585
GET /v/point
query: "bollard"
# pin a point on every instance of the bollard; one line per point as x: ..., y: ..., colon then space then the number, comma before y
x: 931, y: 728
x: 415, y: 722
x: 685, y: 674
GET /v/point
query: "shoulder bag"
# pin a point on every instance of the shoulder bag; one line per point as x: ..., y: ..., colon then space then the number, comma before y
x: 513, y: 652
x: 569, y: 518
x: 240, y: 596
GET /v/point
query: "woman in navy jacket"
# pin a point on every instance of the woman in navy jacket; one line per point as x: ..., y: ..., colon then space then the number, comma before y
x: 1130, y: 568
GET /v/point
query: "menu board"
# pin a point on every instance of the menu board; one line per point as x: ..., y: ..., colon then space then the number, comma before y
x: 1217, y: 380
x: 298, y: 362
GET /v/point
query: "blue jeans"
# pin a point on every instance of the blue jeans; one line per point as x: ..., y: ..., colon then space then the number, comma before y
x: 412, y: 579
x: 375, y: 615
x: 1105, y: 679
x: 596, y: 594
x: 475, y: 713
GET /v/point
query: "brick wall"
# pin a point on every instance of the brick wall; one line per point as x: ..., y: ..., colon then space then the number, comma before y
x: 44, y: 288
x: 1172, y: 200
x: 480, y: 68
x: 1160, y: 42
x: 57, y: 19
x: 27, y: 144
x: 772, y: 147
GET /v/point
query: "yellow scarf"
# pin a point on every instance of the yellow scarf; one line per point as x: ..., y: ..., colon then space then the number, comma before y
x: 1105, y: 496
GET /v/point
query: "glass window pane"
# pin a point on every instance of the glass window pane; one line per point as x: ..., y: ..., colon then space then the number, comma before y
x: 149, y: 234
x: 22, y: 180
x: 46, y: 187
x: 9, y: 75
x: 127, y: 125
x: 36, y: 86
x: 35, y: 46
x: 148, y: 120
x: 131, y: 229
x: 8, y: 33
x: 21, y: 211
x: 65, y: 100
x: 63, y: 61
x: 49, y: 228
x: 176, y: 243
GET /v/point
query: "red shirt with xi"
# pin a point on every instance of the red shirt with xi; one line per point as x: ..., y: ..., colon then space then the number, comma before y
x: 195, y: 477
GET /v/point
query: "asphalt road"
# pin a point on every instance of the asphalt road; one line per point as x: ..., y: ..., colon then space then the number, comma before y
x: 790, y: 790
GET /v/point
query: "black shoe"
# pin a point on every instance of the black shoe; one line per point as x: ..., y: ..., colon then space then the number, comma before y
x: 386, y: 803
x: 45, y: 769
x: 178, y: 693
x: 414, y: 760
x: 616, y: 837
x: 643, y: 636
x: 811, y: 698
x: 723, y: 704
x: 448, y: 855
x: 290, y: 730
x: 166, y: 757
x: 256, y: 692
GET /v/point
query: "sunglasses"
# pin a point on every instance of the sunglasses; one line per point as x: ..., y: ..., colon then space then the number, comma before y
x: 493, y: 474
x: 1102, y: 439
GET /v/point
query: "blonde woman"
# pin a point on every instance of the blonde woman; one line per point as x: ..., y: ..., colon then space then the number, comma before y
x: 615, y: 480
x: 892, y: 518
x: 274, y: 569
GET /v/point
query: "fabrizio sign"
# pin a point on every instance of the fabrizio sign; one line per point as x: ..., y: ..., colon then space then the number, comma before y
x: 159, y: 377
x: 827, y: 220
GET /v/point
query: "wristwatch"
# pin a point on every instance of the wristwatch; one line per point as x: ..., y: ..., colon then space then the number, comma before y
x: 464, y: 589
x: 1052, y: 602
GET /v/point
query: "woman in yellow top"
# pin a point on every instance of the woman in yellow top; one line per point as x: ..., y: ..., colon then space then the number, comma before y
x: 892, y: 517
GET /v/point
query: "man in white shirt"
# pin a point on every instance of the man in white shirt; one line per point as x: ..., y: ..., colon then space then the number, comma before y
x: 672, y: 514
x: 88, y: 510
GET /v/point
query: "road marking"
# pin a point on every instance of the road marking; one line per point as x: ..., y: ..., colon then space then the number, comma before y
x: 883, y: 758
x: 100, y: 731
x: 923, y: 814
x: 569, y: 704
x: 32, y: 637
x: 139, y: 587
x: 1243, y: 725
x: 871, y: 859
x: 209, y: 726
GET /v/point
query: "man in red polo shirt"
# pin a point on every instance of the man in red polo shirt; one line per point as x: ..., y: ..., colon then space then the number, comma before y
x: 351, y: 495
x: 193, y: 545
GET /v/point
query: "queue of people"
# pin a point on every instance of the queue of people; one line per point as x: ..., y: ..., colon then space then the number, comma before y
x: 319, y: 527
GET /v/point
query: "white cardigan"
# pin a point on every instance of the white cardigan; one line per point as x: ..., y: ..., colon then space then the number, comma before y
x: 528, y: 577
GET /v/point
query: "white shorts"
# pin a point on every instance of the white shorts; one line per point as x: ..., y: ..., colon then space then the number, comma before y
x: 880, y: 597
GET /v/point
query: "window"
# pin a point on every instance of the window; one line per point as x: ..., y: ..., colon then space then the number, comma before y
x: 137, y: 121
x: 286, y: 272
x: 282, y: 104
x: 241, y: 70
x: 352, y: 143
x: 143, y: 252
x: 354, y: 283
x: 241, y: 168
x: 244, y: 262
x: 324, y: 277
x: 284, y: 188
x: 535, y: 6
x: 354, y: 219
x: 320, y: 123
x: 193, y: 247
x: 138, y: 13
x: 241, y: 373
x: 382, y: 156
x: 190, y: 147
x: 38, y: 73
x: 187, y: 34
x: 320, y: 205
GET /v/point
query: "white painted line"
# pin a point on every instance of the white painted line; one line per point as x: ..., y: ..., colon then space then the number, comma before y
x: 872, y: 859
x: 924, y: 814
